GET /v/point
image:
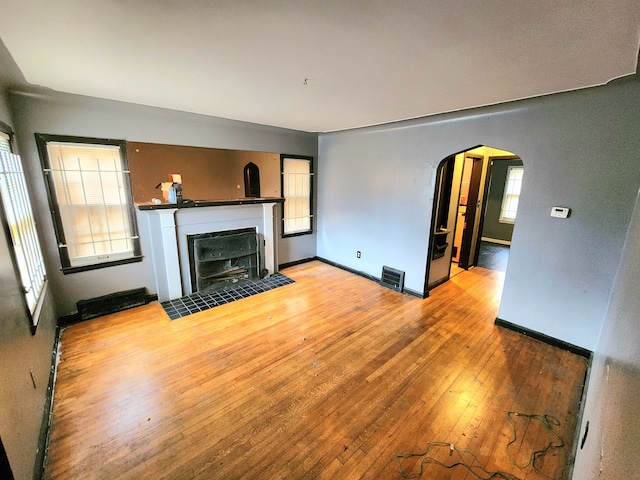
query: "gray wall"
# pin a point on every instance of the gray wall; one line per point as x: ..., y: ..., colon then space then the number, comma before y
x: 56, y: 113
x: 21, y: 414
x: 579, y: 150
x: 492, y: 227
x: 614, y: 385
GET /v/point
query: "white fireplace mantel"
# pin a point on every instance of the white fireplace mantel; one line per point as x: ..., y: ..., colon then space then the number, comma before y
x: 169, y: 227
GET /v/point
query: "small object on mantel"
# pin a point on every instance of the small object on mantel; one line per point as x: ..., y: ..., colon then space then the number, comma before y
x: 165, y: 186
x: 157, y: 201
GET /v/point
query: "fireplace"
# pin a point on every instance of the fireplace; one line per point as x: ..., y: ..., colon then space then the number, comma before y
x: 170, y: 226
x: 217, y: 259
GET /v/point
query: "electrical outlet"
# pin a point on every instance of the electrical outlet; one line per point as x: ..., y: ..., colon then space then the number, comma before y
x: 358, y: 254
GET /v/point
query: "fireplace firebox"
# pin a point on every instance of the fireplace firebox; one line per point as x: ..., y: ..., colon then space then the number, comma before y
x: 217, y: 259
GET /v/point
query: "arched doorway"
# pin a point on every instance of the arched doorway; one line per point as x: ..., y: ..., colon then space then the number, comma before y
x: 475, y: 188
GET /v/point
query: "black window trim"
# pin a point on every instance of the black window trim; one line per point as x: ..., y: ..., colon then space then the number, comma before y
x: 41, y: 140
x: 311, y: 204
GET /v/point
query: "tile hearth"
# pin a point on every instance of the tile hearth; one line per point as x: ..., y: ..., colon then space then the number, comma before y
x: 200, y: 301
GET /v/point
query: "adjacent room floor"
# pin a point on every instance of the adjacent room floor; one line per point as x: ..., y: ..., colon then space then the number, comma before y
x: 493, y: 256
x: 327, y: 377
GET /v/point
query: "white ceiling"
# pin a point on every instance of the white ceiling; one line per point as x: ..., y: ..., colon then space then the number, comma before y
x: 320, y: 65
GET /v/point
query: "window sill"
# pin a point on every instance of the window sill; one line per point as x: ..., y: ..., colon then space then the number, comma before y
x: 297, y: 234
x: 37, y: 313
x: 95, y: 266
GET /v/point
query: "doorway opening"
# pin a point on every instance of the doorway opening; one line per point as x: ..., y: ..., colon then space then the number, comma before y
x: 474, y: 212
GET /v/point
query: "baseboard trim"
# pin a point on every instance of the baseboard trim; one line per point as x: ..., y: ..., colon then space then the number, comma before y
x: 583, y: 352
x: 496, y: 240
x: 373, y: 278
x: 68, y: 320
x: 413, y: 293
x: 348, y: 269
x: 150, y: 297
x: 437, y: 283
x: 45, y: 428
x: 295, y: 262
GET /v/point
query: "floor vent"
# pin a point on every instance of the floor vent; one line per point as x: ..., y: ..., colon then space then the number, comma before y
x: 112, y: 303
x: 392, y: 278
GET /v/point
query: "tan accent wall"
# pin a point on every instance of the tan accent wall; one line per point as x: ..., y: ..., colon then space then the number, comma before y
x: 269, y: 165
x: 207, y: 173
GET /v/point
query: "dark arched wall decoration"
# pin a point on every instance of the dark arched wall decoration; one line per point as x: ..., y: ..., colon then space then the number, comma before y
x: 251, y: 180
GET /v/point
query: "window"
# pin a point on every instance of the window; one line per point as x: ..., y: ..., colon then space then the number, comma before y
x: 91, y: 201
x: 297, y: 174
x: 20, y: 228
x: 511, y: 197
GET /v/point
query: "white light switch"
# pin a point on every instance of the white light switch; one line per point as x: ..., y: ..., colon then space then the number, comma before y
x: 560, y: 212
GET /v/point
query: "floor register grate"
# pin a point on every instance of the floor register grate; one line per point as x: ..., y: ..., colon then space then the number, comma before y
x: 392, y: 278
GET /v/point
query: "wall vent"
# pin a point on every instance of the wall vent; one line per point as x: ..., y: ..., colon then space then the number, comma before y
x: 392, y: 278
x: 112, y: 303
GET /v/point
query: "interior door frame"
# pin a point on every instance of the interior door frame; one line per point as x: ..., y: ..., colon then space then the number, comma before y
x: 487, y: 186
x: 425, y: 290
x: 469, y: 231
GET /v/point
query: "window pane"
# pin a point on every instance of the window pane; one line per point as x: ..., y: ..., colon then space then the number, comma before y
x: 511, y: 197
x: 296, y: 189
x: 22, y: 228
x: 91, y: 201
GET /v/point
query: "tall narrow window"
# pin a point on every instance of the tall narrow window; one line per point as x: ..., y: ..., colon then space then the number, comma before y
x: 511, y: 196
x: 20, y: 228
x: 297, y: 174
x: 91, y: 201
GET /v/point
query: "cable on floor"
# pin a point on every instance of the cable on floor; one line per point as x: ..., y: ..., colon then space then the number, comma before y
x: 483, y: 473
x: 547, y: 422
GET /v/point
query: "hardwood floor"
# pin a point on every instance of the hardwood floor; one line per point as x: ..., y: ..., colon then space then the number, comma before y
x: 324, y: 378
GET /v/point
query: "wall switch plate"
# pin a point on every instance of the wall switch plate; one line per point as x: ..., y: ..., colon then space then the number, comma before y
x: 560, y: 212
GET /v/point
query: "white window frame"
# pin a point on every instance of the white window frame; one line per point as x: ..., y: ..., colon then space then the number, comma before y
x: 297, y: 191
x: 20, y: 229
x: 97, y: 249
x: 511, y: 195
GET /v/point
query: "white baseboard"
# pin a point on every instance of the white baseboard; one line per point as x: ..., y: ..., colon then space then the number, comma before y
x: 496, y: 240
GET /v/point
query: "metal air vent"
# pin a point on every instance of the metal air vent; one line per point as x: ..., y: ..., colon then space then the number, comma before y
x: 114, y: 302
x: 392, y: 278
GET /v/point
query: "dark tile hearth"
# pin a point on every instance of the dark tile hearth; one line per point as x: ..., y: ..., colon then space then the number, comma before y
x: 199, y: 301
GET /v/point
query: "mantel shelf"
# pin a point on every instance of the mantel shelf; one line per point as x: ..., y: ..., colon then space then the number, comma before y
x: 209, y: 203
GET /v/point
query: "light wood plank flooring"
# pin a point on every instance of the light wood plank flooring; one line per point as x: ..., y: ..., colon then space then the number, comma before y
x: 324, y: 378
